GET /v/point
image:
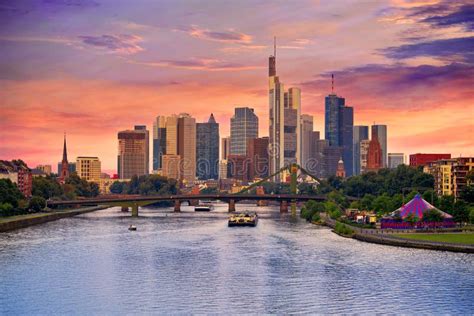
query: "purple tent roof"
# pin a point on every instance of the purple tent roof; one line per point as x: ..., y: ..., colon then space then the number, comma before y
x: 417, y: 206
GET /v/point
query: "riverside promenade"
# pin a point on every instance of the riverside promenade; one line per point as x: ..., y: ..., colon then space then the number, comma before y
x: 22, y: 221
x: 390, y: 238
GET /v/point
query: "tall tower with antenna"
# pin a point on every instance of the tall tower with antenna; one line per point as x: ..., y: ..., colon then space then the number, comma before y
x: 272, y: 61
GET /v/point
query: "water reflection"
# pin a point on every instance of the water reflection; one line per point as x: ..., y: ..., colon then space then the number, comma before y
x: 191, y: 262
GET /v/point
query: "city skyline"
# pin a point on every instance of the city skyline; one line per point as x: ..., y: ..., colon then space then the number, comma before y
x: 412, y: 71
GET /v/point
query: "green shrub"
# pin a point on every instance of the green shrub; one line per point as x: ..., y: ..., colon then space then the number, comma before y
x: 343, y: 229
x: 316, y: 217
x: 37, y: 204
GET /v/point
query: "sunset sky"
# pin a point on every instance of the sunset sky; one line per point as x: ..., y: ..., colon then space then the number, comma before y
x: 93, y: 67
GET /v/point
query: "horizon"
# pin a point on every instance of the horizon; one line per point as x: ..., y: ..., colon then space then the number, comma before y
x: 95, y: 68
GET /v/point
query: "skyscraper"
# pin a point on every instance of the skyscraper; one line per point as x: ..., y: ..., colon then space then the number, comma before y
x: 284, y: 122
x: 360, y: 133
x: 187, y: 147
x: 207, y: 149
x: 225, y: 147
x: 364, y: 150
x: 339, y: 122
x: 133, y: 152
x: 243, y: 126
x: 306, y: 134
x: 381, y: 132
x: 159, y: 141
x: 257, y: 154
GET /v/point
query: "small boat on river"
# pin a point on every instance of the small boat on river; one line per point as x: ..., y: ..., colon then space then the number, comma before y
x: 204, y: 206
x: 132, y: 227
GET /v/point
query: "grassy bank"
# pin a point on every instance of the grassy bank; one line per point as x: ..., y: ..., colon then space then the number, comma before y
x: 465, y: 239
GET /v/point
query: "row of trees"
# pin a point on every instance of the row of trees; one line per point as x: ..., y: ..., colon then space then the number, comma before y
x: 146, y: 185
x: 12, y: 201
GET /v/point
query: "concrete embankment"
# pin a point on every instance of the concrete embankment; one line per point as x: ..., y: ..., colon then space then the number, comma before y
x: 22, y: 221
x: 375, y: 236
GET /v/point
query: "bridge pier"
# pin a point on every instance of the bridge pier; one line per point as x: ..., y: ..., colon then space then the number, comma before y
x: 135, y: 210
x: 283, y: 206
x: 231, y: 205
x: 177, y: 205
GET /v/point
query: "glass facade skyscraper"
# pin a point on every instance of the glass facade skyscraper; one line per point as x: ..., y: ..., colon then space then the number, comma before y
x: 243, y: 126
x: 207, y: 149
x: 381, y: 132
x: 339, y: 123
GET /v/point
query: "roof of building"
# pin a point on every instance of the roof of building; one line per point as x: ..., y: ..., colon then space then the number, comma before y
x: 417, y: 206
x: 12, y: 166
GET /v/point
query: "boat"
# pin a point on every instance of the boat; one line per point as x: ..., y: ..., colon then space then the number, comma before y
x: 132, y: 227
x: 243, y: 219
x: 204, y: 206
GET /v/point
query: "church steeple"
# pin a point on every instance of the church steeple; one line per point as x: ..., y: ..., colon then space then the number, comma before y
x: 64, y: 150
x: 64, y: 172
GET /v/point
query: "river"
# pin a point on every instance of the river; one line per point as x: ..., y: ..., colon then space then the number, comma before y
x: 193, y: 263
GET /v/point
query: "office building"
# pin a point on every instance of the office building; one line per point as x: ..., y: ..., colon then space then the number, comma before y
x: 381, y: 132
x: 223, y: 169
x: 360, y: 133
x: 364, y: 151
x: 238, y: 167
x: 339, y: 123
x: 187, y: 147
x: 284, y: 123
x: 88, y: 168
x: 395, y: 159
x: 306, y: 134
x: 159, y: 141
x: 243, y: 126
x: 171, y: 166
x: 424, y: 159
x: 225, y: 147
x: 207, y: 149
x: 133, y: 152
x: 46, y: 169
x: 257, y: 154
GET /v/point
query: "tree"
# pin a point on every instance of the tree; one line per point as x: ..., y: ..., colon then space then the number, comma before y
x: 432, y: 215
x: 471, y: 215
x: 37, y: 204
x: 46, y: 187
x: 209, y: 190
x: 116, y: 187
x: 366, y: 202
x: 461, y: 212
x: 411, y: 218
x: 382, y: 204
x: 467, y: 193
x: 446, y: 204
x: 6, y: 209
x: 9, y: 193
x: 355, y: 205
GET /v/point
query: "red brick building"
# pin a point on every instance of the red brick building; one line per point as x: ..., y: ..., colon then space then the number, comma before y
x: 19, y: 173
x: 374, y: 154
x: 424, y: 159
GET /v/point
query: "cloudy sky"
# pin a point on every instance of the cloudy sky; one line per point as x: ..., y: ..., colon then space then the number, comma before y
x: 94, y: 67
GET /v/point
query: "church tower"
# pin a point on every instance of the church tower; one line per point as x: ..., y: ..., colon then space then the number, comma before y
x: 64, y: 172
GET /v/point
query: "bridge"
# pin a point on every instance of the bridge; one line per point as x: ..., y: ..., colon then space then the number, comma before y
x: 134, y: 202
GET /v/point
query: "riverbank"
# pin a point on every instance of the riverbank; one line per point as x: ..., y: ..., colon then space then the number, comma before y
x: 391, y: 239
x: 22, y: 221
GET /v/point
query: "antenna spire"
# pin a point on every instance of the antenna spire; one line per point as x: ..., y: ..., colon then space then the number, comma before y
x: 275, y: 46
x: 332, y: 83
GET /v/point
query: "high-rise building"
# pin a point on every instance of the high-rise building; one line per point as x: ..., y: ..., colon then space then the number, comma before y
x: 364, y: 151
x: 133, y: 152
x: 424, y: 159
x: 331, y: 157
x: 339, y: 123
x: 381, y: 132
x: 225, y: 147
x: 223, y: 169
x: 64, y: 171
x: 315, y: 164
x: 257, y: 154
x: 207, y: 149
x: 159, y: 142
x: 243, y: 126
x: 284, y: 123
x: 238, y: 167
x: 374, y: 153
x: 395, y: 159
x: 306, y: 134
x: 171, y: 166
x: 187, y: 147
x: 71, y: 166
x: 88, y: 168
x: 360, y: 133
x: 171, y: 126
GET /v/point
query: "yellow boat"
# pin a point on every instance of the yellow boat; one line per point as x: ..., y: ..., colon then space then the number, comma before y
x: 243, y: 219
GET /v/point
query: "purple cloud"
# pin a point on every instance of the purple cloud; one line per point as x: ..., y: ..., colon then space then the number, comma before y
x: 452, y: 49
x: 463, y: 16
x: 122, y: 44
x: 200, y: 64
x: 221, y: 36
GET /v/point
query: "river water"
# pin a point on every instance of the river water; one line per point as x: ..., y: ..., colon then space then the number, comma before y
x: 193, y: 263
